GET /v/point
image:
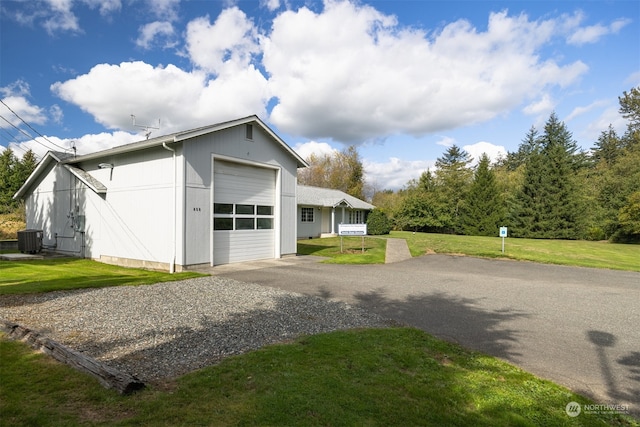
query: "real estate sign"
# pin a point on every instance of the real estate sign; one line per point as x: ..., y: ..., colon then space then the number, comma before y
x: 352, y: 229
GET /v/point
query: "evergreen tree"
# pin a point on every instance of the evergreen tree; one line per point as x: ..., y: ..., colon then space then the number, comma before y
x: 527, y: 148
x: 608, y: 147
x: 549, y: 205
x: 452, y: 179
x: 483, y: 213
x: 630, y: 107
x: 7, y: 166
x: 13, y: 173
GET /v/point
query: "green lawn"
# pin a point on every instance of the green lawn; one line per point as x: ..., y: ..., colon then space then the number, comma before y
x: 395, y: 376
x: 398, y: 376
x: 374, y: 249
x: 74, y: 273
x: 565, y: 252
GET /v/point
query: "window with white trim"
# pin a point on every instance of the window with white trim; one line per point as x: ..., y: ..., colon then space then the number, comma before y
x: 306, y: 215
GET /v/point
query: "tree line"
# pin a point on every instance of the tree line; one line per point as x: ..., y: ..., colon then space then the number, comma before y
x: 547, y: 188
x: 13, y: 173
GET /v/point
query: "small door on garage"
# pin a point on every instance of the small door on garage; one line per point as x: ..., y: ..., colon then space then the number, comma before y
x: 243, y: 212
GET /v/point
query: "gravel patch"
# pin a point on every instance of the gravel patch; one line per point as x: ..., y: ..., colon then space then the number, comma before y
x: 168, y: 329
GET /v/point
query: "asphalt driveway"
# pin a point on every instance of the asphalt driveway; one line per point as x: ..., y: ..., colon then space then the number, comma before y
x: 579, y: 327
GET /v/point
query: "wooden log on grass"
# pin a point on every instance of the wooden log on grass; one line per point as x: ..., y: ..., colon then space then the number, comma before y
x: 108, y: 376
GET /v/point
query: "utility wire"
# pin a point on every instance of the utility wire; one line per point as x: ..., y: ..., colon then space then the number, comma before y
x: 30, y: 127
x: 23, y: 132
x: 26, y: 134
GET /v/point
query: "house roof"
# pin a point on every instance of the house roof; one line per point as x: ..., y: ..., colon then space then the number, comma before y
x: 188, y: 134
x: 68, y: 160
x: 327, y: 197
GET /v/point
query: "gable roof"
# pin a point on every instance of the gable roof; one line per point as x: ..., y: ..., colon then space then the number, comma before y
x: 327, y: 197
x: 188, y: 134
x: 68, y: 160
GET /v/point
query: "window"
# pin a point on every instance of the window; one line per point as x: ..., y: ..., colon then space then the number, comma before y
x: 223, y: 223
x: 265, y: 223
x: 227, y: 216
x: 244, y: 209
x: 245, y: 223
x: 222, y: 208
x: 306, y: 215
x: 356, y: 217
x: 265, y: 210
x: 249, y: 131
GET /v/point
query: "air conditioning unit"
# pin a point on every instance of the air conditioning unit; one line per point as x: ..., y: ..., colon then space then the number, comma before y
x: 30, y: 241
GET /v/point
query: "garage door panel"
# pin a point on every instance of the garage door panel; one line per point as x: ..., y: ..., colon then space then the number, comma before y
x: 236, y: 184
x: 239, y: 246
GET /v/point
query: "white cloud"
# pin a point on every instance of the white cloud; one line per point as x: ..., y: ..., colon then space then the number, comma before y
x: 270, y: 4
x: 180, y: 99
x: 593, y: 33
x: 578, y: 111
x: 540, y: 107
x: 106, y: 7
x: 395, y: 173
x: 609, y: 116
x: 154, y: 32
x: 306, y: 149
x: 84, y: 145
x: 165, y: 10
x: 493, y: 151
x: 227, y: 45
x: 61, y: 18
x: 446, y: 141
x: 16, y: 97
x: 352, y: 73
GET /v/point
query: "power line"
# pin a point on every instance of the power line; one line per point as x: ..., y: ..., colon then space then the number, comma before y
x: 31, y: 127
x: 23, y: 132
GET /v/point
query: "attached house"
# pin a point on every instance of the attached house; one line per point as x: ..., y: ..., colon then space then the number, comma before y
x: 214, y: 195
x: 320, y: 210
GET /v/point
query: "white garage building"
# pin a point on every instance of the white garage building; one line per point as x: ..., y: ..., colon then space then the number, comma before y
x: 214, y: 195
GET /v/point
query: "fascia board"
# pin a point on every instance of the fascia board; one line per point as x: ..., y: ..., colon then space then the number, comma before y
x: 44, y: 163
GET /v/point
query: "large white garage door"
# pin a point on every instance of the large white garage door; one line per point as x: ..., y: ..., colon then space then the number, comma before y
x: 243, y: 214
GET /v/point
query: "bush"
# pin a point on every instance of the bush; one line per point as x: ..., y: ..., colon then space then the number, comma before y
x: 378, y: 223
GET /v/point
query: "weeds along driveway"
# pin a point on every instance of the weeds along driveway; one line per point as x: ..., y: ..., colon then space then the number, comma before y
x: 575, y: 326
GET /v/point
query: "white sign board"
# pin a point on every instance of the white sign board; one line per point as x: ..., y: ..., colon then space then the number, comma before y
x: 352, y: 229
x: 503, y: 231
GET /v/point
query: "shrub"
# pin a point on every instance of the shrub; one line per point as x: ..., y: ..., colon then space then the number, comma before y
x: 378, y: 223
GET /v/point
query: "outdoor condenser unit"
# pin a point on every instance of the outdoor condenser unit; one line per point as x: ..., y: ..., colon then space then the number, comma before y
x: 30, y: 241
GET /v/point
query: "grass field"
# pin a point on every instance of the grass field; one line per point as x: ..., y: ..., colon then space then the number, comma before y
x: 377, y: 377
x: 565, y: 252
x: 351, y: 253
x: 74, y: 273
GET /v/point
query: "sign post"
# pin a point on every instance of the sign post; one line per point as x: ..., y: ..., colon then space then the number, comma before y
x: 352, y: 230
x: 503, y: 234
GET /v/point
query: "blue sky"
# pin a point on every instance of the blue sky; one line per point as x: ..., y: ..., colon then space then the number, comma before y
x: 402, y: 80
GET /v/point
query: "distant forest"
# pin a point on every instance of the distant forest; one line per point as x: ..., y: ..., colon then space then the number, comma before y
x: 546, y: 189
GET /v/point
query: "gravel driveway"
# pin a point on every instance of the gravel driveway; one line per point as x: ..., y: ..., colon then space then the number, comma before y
x: 165, y: 330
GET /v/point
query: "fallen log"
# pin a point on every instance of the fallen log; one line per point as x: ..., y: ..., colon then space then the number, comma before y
x: 109, y: 377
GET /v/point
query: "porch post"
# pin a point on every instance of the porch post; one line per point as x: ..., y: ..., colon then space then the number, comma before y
x: 333, y: 219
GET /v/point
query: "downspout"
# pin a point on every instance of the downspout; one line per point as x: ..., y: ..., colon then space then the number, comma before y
x: 172, y: 263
